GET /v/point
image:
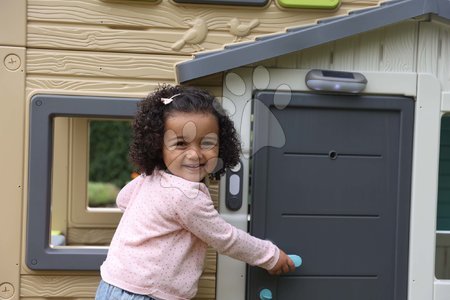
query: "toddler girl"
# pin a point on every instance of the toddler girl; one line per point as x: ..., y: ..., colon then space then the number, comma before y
x: 181, y: 135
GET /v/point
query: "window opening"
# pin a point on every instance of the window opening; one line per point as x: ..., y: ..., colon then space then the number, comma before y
x: 109, y: 166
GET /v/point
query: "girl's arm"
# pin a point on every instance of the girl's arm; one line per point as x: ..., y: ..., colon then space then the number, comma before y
x: 126, y: 193
x: 201, y: 218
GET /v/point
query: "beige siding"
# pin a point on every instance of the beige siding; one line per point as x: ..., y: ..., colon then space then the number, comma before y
x: 101, y: 65
x: 390, y: 49
x: 83, y: 287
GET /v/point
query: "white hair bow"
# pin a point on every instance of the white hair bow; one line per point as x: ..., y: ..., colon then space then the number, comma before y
x: 169, y: 100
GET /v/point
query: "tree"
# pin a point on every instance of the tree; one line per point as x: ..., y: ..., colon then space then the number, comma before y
x: 108, y: 152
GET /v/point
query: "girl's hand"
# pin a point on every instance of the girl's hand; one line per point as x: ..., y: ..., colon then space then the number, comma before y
x: 284, y: 265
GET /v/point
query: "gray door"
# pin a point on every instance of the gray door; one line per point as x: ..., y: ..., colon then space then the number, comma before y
x: 337, y: 193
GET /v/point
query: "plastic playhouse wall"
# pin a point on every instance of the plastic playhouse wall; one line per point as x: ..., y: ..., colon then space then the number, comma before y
x: 125, y: 49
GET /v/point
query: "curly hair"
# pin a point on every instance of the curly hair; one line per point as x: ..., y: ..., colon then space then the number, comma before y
x: 148, y: 127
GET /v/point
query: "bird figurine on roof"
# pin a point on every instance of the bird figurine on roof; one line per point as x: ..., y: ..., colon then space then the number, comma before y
x: 240, y: 30
x: 194, y: 36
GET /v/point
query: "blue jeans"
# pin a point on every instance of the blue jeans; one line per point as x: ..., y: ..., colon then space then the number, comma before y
x: 106, y: 291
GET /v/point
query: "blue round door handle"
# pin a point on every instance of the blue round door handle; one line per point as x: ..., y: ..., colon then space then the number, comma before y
x: 296, y: 259
x: 265, y: 294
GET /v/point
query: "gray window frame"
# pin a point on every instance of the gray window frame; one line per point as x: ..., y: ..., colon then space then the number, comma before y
x: 43, y: 109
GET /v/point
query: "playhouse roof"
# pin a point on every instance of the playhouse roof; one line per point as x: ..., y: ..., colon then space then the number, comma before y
x: 296, y: 39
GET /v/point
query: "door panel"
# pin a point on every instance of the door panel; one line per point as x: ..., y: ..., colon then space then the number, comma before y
x: 337, y: 194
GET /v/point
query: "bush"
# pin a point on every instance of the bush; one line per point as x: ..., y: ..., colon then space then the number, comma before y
x: 102, y: 194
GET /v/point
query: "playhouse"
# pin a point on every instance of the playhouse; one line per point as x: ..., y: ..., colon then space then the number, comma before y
x: 342, y: 107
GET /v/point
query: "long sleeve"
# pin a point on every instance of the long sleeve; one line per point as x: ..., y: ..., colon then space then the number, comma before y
x: 127, y: 192
x: 201, y: 218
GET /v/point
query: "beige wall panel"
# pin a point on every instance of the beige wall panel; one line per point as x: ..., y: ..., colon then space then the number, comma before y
x: 13, y: 18
x: 12, y: 119
x: 399, y: 48
x: 210, y: 262
x: 58, y: 286
x: 337, y: 55
x: 316, y: 57
x: 428, y: 48
x: 344, y: 53
x: 287, y: 61
x: 206, y: 287
x: 88, y: 38
x: 369, y: 51
x: 96, y: 87
x: 101, y: 65
x: 434, y: 51
x: 444, y: 58
x: 213, y: 185
x: 387, y: 49
x: 85, y: 286
x: 168, y: 14
x: 268, y: 63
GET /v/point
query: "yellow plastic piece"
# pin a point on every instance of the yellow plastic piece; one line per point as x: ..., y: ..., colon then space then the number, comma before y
x: 310, y: 4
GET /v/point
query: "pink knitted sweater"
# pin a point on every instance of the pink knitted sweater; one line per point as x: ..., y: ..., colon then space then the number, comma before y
x: 160, y: 243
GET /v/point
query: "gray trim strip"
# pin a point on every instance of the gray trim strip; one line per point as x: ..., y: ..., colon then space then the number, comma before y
x: 295, y: 40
